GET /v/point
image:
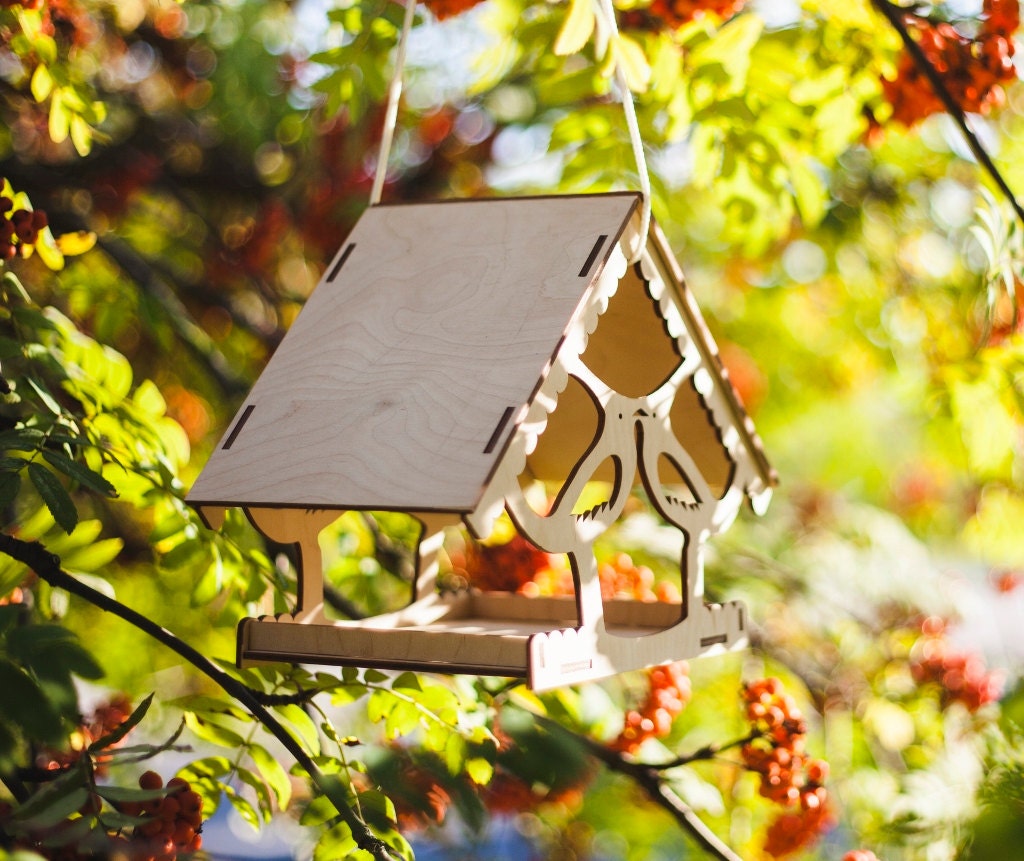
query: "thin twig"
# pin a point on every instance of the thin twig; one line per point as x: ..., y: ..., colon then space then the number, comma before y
x: 48, y: 567
x: 709, y: 751
x: 894, y: 14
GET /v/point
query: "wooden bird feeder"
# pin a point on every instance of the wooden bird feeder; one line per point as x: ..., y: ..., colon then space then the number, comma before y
x: 454, y: 354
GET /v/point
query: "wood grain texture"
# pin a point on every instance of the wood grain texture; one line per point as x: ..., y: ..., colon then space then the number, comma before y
x: 387, y: 391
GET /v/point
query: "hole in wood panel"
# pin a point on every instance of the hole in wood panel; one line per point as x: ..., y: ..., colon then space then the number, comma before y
x: 631, y: 349
x: 369, y: 560
x: 693, y: 426
x: 675, y: 481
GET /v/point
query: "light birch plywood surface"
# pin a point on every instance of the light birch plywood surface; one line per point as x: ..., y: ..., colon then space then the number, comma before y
x: 403, y: 378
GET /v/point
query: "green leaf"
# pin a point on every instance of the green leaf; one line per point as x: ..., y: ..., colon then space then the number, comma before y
x: 125, y: 727
x: 809, y: 190
x: 10, y: 483
x: 60, y: 117
x: 273, y: 773
x: 479, y: 770
x: 58, y: 805
x: 212, y: 732
x: 264, y: 807
x: 245, y: 809
x: 127, y: 793
x: 26, y: 705
x: 301, y: 725
x: 335, y: 844
x: 41, y: 83
x: 48, y: 400
x: 55, y: 497
x: 79, y: 472
x: 22, y: 439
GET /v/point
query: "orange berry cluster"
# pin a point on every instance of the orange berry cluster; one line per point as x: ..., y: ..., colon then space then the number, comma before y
x: 620, y: 578
x: 25, y: 4
x: 860, y: 855
x: 961, y: 676
x: 175, y: 823
x: 105, y: 719
x: 676, y: 13
x: 503, y: 567
x: 973, y: 69
x: 788, y: 776
x: 667, y: 695
x: 442, y: 9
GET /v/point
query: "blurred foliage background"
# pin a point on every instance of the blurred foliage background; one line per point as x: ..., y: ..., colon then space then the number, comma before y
x: 199, y: 162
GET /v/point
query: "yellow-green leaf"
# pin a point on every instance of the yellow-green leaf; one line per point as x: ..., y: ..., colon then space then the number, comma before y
x: 633, y: 61
x: 77, y: 242
x: 42, y: 83
x: 48, y: 250
x: 81, y: 135
x: 60, y: 118
x: 577, y: 27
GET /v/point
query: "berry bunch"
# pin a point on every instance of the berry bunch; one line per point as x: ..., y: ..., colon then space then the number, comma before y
x: 961, y: 676
x: 676, y: 13
x: 19, y: 229
x: 860, y: 855
x: 667, y: 695
x: 25, y: 4
x: 973, y: 69
x: 175, y: 823
x: 518, y: 566
x: 776, y: 752
x: 442, y: 9
x: 104, y: 720
x: 504, y: 567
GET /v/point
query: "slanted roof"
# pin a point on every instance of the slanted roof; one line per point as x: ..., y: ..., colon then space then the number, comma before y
x: 406, y: 373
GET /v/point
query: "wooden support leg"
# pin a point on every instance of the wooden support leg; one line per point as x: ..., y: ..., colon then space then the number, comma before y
x: 431, y: 539
x: 301, y: 527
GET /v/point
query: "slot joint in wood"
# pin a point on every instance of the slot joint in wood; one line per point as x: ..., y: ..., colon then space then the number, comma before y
x: 585, y: 271
x: 493, y: 441
x: 237, y: 429
x: 341, y: 262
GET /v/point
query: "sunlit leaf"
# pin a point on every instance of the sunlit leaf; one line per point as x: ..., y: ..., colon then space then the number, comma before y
x: 576, y: 28
x: 54, y: 496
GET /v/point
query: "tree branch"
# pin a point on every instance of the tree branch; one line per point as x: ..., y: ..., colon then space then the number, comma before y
x: 48, y: 567
x: 894, y: 15
x: 178, y: 316
x: 650, y: 779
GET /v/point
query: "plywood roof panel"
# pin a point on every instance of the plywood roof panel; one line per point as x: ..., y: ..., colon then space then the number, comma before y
x: 400, y: 382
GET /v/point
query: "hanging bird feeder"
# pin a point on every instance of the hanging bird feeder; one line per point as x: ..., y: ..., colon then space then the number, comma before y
x: 453, y: 355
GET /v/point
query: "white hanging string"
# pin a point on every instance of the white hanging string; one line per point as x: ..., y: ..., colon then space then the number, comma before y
x: 395, y: 93
x: 634, y: 135
x: 391, y: 114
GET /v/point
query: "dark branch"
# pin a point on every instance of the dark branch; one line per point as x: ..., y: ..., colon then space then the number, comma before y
x: 894, y: 15
x: 709, y: 751
x: 47, y: 566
